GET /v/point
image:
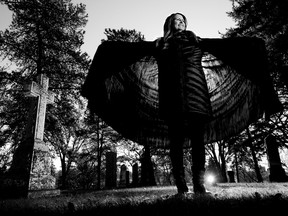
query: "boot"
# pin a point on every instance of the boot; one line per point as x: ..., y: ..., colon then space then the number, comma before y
x: 176, y: 156
x: 198, y: 180
x: 180, y: 180
x: 198, y: 161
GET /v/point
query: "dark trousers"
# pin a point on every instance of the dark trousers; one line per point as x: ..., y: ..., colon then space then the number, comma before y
x: 194, y: 131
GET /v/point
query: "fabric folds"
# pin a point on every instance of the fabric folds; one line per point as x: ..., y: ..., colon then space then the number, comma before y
x: 122, y: 88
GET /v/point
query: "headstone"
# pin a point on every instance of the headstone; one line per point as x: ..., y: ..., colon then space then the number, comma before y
x: 231, y: 176
x: 111, y: 170
x: 135, y: 175
x: 31, y: 166
x: 123, y: 176
x: 277, y: 173
x: 127, y: 178
x: 147, y: 170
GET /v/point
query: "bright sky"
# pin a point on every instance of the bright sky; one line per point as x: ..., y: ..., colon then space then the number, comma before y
x: 205, y: 17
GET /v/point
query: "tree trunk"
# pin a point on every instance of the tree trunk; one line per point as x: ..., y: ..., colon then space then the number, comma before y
x: 40, y: 50
x: 64, y: 174
x: 236, y: 167
x: 99, y: 144
x: 223, y: 163
x: 256, y: 166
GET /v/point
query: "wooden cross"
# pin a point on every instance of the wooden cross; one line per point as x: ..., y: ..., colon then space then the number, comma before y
x: 45, y: 97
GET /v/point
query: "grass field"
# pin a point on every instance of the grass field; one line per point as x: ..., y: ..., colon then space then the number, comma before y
x: 227, y: 199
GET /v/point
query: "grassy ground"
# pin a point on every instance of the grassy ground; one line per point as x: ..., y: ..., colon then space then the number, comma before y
x: 227, y: 199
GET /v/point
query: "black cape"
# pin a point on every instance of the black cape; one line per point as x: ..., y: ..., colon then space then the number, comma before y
x: 122, y: 88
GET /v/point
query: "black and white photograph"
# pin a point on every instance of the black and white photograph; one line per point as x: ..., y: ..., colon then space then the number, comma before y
x: 156, y: 107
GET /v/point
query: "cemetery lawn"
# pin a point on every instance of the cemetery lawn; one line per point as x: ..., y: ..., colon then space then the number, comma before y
x: 227, y: 199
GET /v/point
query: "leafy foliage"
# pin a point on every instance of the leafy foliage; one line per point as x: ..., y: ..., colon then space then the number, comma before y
x: 45, y: 37
x: 268, y: 20
x: 123, y: 35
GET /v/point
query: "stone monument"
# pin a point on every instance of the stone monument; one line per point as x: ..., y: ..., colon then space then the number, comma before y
x: 30, y: 173
x: 135, y: 175
x: 127, y: 178
x: 231, y: 176
x: 111, y: 170
x: 123, y: 176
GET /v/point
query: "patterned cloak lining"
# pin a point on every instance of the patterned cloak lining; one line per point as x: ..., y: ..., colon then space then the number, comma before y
x: 122, y: 88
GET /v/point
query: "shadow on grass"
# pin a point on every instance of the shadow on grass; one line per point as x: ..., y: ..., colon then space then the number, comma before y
x: 152, y: 201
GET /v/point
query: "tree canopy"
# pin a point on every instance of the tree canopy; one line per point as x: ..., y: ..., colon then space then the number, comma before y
x: 267, y: 19
x: 45, y: 37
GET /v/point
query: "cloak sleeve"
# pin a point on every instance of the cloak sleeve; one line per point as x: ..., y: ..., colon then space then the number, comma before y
x: 122, y: 88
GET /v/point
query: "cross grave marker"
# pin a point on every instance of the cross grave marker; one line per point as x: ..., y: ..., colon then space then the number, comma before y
x: 40, y: 175
x: 44, y: 97
x: 31, y: 166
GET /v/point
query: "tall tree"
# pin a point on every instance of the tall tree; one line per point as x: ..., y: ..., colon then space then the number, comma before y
x: 102, y: 139
x: 219, y: 158
x: 45, y: 36
x: 123, y: 35
x: 253, y: 153
x: 267, y: 19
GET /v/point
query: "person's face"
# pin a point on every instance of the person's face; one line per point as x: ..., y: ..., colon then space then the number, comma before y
x: 179, y: 23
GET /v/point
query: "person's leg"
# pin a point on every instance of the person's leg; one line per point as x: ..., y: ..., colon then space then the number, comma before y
x: 198, y: 167
x: 198, y: 159
x: 176, y: 156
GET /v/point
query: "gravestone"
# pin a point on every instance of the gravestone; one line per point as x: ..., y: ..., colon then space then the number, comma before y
x: 277, y: 173
x: 111, y: 170
x: 135, y: 175
x: 127, y: 178
x: 31, y: 167
x: 123, y: 176
x: 147, y: 170
x: 231, y: 176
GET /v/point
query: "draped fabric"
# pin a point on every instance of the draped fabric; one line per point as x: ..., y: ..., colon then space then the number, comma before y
x: 122, y: 88
x: 183, y: 91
